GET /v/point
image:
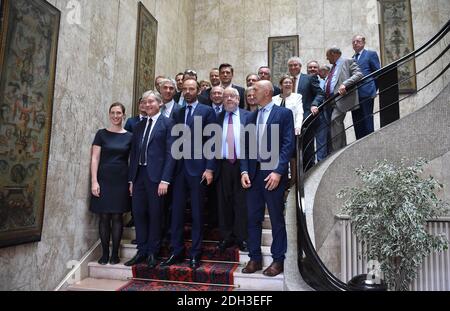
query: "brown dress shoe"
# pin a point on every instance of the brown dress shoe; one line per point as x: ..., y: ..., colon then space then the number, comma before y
x: 252, y: 266
x: 274, y: 269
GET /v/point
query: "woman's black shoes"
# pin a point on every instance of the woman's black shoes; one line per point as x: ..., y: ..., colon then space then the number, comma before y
x: 104, y: 259
x: 114, y: 260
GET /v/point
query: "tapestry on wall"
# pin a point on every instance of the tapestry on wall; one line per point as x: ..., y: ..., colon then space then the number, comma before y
x: 280, y: 49
x: 29, y: 39
x: 397, y: 40
x: 144, y: 76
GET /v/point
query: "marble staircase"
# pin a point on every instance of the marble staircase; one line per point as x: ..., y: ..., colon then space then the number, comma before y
x: 113, y: 277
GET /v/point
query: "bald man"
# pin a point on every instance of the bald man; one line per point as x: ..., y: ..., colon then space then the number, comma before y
x: 265, y: 177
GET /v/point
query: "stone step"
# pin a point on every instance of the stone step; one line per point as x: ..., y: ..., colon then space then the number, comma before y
x: 266, y: 223
x: 93, y: 284
x: 266, y: 256
x: 258, y: 281
x: 110, y: 272
x: 266, y: 237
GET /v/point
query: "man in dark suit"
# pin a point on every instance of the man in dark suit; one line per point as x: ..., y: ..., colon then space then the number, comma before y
x: 168, y: 109
x: 133, y: 121
x: 312, y: 96
x: 226, y: 73
x: 231, y: 196
x: 151, y: 171
x: 264, y: 73
x: 265, y: 177
x: 368, y: 62
x: 193, y: 171
x: 129, y: 126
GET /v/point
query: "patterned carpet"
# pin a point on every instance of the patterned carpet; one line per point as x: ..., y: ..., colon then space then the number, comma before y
x: 220, y: 272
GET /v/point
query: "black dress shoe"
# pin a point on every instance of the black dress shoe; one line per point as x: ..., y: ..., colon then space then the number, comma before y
x: 138, y: 258
x: 134, y: 242
x: 194, y: 263
x: 243, y: 247
x: 173, y: 259
x: 104, y: 259
x: 224, y: 244
x: 151, y: 261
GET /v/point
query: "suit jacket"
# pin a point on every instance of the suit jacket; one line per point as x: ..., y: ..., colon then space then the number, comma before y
x: 368, y: 62
x: 284, y: 119
x: 161, y: 164
x: 196, y: 167
x: 243, y: 115
x: 312, y: 93
x: 131, y: 123
x: 241, y: 91
x: 177, y: 96
x: 276, y: 90
x: 348, y: 74
x: 205, y: 98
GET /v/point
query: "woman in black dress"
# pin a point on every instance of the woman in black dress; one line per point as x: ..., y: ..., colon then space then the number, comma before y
x: 109, y: 175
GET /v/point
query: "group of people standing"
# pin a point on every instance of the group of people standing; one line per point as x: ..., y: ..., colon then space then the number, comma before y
x: 144, y: 166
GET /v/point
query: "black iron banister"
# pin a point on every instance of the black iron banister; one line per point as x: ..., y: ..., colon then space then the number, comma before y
x: 311, y: 267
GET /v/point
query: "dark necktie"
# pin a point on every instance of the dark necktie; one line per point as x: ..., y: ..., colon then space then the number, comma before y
x: 189, y: 115
x: 231, y: 156
x: 356, y: 56
x: 294, y: 82
x: 283, y: 102
x: 328, y: 83
x: 143, y: 151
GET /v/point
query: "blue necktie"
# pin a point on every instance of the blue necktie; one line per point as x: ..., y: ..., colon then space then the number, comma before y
x: 189, y: 115
x: 143, y: 151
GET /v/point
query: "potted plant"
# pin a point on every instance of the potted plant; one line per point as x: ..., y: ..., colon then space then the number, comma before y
x: 389, y: 211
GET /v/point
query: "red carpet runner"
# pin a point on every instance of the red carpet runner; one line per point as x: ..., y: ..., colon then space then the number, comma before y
x: 208, y: 272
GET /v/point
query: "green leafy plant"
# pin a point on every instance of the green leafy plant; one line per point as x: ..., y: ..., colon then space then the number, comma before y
x: 389, y: 212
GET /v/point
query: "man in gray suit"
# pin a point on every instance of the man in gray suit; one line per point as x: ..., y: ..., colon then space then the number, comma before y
x: 344, y: 73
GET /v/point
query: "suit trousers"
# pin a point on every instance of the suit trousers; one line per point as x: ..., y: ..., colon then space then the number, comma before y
x: 185, y: 185
x: 147, y: 210
x: 232, y: 207
x: 322, y: 134
x: 337, y: 129
x: 363, y: 117
x: 257, y: 198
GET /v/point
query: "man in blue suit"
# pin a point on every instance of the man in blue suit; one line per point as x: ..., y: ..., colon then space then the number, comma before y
x: 312, y: 97
x: 192, y: 172
x: 151, y: 171
x: 368, y: 62
x: 129, y: 126
x: 265, y: 177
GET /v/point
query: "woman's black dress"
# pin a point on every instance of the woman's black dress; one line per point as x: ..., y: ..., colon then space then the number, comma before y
x: 112, y: 173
